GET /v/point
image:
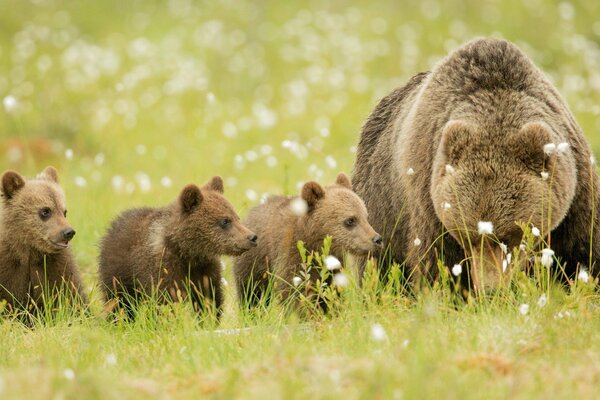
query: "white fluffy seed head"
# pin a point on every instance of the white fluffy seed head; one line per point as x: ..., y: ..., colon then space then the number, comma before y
x: 446, y: 206
x: 583, y: 276
x: 547, y: 257
x: 456, y: 269
x: 503, y: 247
x: 543, y: 300
x: 544, y: 175
x: 332, y: 263
x: 549, y: 148
x: 562, y: 147
x: 410, y: 171
x: 449, y: 169
x: 524, y: 309
x: 299, y: 207
x: 504, y: 265
x: 378, y: 333
x: 417, y: 242
x: 535, y: 231
x: 340, y: 280
x: 297, y: 281
x: 485, y: 227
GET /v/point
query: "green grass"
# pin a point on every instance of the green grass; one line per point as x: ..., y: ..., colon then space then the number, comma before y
x: 145, y: 89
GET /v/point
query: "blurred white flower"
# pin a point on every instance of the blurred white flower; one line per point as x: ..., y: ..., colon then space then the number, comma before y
x: 542, y: 300
x: 446, y: 206
x: 547, y: 257
x: 271, y: 161
x: 297, y: 281
x: 593, y: 160
x: 449, y: 169
x: 524, y: 309
x: 535, y: 231
x: 583, y: 276
x: 457, y: 269
x: 485, y: 227
x: 251, y: 195
x: 143, y: 181
x: 80, y: 181
x: 299, y: 206
x: 332, y: 263
x: 504, y: 265
x: 509, y: 257
x: 210, y: 97
x: 111, y: 359
x: 378, y: 333
x: 330, y: 161
x: 224, y: 282
x: 503, y: 247
x: 562, y: 147
x: 140, y: 149
x: 10, y: 103
x: 117, y: 182
x: 99, y: 159
x: 69, y: 374
x: 69, y: 154
x: 544, y: 175
x: 165, y: 181
x: 417, y: 242
x: 549, y: 148
x: 340, y: 279
x: 229, y: 130
x: 410, y: 171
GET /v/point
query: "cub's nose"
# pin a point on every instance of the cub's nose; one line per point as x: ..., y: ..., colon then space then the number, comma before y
x: 253, y: 239
x: 68, y: 234
x: 377, y: 239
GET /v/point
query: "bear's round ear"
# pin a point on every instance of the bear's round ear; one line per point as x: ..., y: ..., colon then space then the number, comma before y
x: 216, y: 184
x: 11, y: 183
x: 50, y: 173
x: 457, y: 135
x: 343, y: 180
x: 190, y: 198
x: 312, y: 192
x: 528, y: 144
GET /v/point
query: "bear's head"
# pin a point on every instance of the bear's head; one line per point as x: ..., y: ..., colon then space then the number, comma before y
x: 34, y: 211
x: 207, y: 222
x: 338, y: 212
x: 524, y: 175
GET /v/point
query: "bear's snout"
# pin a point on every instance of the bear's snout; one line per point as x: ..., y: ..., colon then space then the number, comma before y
x: 68, y: 234
x: 378, y: 240
x: 253, y: 239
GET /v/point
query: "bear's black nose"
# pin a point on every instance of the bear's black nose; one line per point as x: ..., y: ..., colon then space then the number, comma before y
x: 253, y: 238
x: 68, y: 234
x: 378, y: 240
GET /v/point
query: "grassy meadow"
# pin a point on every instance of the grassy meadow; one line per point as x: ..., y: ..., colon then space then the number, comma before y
x: 132, y: 100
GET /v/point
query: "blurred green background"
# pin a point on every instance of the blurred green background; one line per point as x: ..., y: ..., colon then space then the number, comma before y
x: 132, y: 100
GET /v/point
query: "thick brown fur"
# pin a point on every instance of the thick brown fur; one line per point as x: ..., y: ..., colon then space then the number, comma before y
x: 173, y: 252
x: 280, y: 228
x: 36, y: 263
x: 486, y: 111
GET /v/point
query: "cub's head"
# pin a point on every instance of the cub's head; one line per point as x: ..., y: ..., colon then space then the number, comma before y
x: 524, y: 175
x: 208, y: 221
x: 34, y: 211
x: 338, y: 212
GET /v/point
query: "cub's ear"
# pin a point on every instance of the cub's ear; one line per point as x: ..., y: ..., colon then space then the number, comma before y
x: 528, y: 144
x: 312, y: 192
x: 50, y: 173
x: 11, y: 183
x: 457, y: 136
x: 343, y: 180
x: 190, y: 198
x: 216, y: 184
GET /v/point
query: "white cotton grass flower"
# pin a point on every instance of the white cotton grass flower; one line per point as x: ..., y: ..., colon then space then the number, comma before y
x: 340, y: 280
x: 450, y: 169
x: 417, y: 242
x: 485, y: 227
x: 543, y: 300
x: 544, y: 175
x: 299, y: 206
x: 549, y: 148
x: 562, y: 147
x: 378, y: 333
x: 332, y: 263
x: 446, y: 206
x: 80, y: 181
x: 110, y: 359
x: 296, y: 281
x: 69, y: 154
x: 535, y: 231
x: 165, y: 181
x: 583, y: 276
x: 547, y: 257
x: 504, y: 265
x: 69, y: 374
x: 9, y: 103
x: 503, y: 247
x: 509, y: 258
x: 457, y: 269
x: 524, y: 309
x: 410, y: 171
x: 251, y: 195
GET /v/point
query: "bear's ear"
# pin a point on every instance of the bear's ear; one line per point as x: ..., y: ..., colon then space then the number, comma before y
x: 457, y: 135
x: 312, y: 192
x: 50, y: 173
x: 11, y: 183
x: 528, y: 144
x: 216, y: 184
x: 343, y: 180
x: 190, y: 198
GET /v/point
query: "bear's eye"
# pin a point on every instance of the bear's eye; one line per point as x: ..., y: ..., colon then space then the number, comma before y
x: 224, y: 223
x: 65, y: 213
x: 350, y: 222
x: 45, y: 213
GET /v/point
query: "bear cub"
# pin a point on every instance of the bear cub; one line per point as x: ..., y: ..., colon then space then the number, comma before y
x: 334, y: 210
x: 173, y: 252
x: 36, y: 263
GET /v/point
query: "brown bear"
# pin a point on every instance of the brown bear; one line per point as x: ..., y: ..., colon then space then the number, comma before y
x: 36, y: 263
x: 281, y: 222
x: 462, y: 154
x: 173, y: 252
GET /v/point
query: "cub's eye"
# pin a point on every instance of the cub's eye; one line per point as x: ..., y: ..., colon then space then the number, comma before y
x: 65, y: 213
x: 224, y: 223
x: 350, y: 222
x: 45, y: 213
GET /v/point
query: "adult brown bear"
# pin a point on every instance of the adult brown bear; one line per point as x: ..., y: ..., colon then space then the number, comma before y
x: 483, y: 137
